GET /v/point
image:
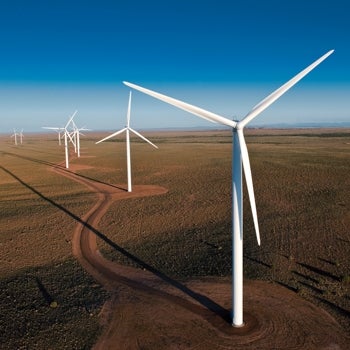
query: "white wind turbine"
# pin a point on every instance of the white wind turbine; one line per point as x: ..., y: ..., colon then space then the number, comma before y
x: 58, y: 130
x: 239, y: 156
x: 66, y: 136
x: 15, y: 134
x: 76, y: 137
x: 127, y: 129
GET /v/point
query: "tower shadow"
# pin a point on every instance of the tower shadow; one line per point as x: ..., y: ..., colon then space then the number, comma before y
x: 203, y: 300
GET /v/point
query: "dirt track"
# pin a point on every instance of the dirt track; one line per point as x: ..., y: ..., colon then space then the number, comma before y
x: 151, y: 311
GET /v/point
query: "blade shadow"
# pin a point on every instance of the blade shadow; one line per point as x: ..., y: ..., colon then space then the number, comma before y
x: 320, y: 272
x: 257, y: 261
x: 206, y: 302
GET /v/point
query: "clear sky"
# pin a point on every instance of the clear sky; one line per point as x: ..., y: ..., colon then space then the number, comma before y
x: 222, y: 55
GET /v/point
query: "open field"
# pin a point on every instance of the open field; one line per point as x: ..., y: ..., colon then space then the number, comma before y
x: 302, y: 188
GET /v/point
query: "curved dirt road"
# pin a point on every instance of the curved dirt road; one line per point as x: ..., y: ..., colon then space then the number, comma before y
x: 149, y: 310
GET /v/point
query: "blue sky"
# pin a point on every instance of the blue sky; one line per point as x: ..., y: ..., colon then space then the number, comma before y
x: 222, y: 55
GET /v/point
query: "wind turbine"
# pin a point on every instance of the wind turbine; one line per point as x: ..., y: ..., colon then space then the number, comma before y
x: 76, y: 137
x: 66, y: 136
x: 58, y: 130
x: 239, y: 157
x: 127, y: 129
x: 21, y: 136
x: 15, y: 136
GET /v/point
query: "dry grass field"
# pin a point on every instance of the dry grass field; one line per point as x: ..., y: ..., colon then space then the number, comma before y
x: 302, y: 187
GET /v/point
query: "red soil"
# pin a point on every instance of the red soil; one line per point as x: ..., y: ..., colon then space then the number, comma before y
x: 148, y: 311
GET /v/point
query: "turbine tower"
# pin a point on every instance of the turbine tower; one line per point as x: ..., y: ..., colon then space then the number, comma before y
x: 239, y: 157
x: 66, y: 136
x: 127, y: 129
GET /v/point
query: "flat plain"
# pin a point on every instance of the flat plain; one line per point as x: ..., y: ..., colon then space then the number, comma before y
x: 302, y: 188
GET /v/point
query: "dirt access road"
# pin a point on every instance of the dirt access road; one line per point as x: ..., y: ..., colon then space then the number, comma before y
x: 149, y: 310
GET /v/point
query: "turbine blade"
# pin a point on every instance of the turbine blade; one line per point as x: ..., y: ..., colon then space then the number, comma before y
x: 249, y: 181
x: 74, y: 125
x: 112, y: 135
x: 70, y: 119
x: 70, y: 137
x: 129, y: 111
x: 267, y: 101
x: 51, y: 128
x: 142, y: 137
x: 199, y: 112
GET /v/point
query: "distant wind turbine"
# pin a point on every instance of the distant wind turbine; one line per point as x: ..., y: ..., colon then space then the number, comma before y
x: 239, y: 156
x: 127, y: 129
x: 76, y: 137
x: 15, y: 134
x: 66, y: 135
x: 58, y: 130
